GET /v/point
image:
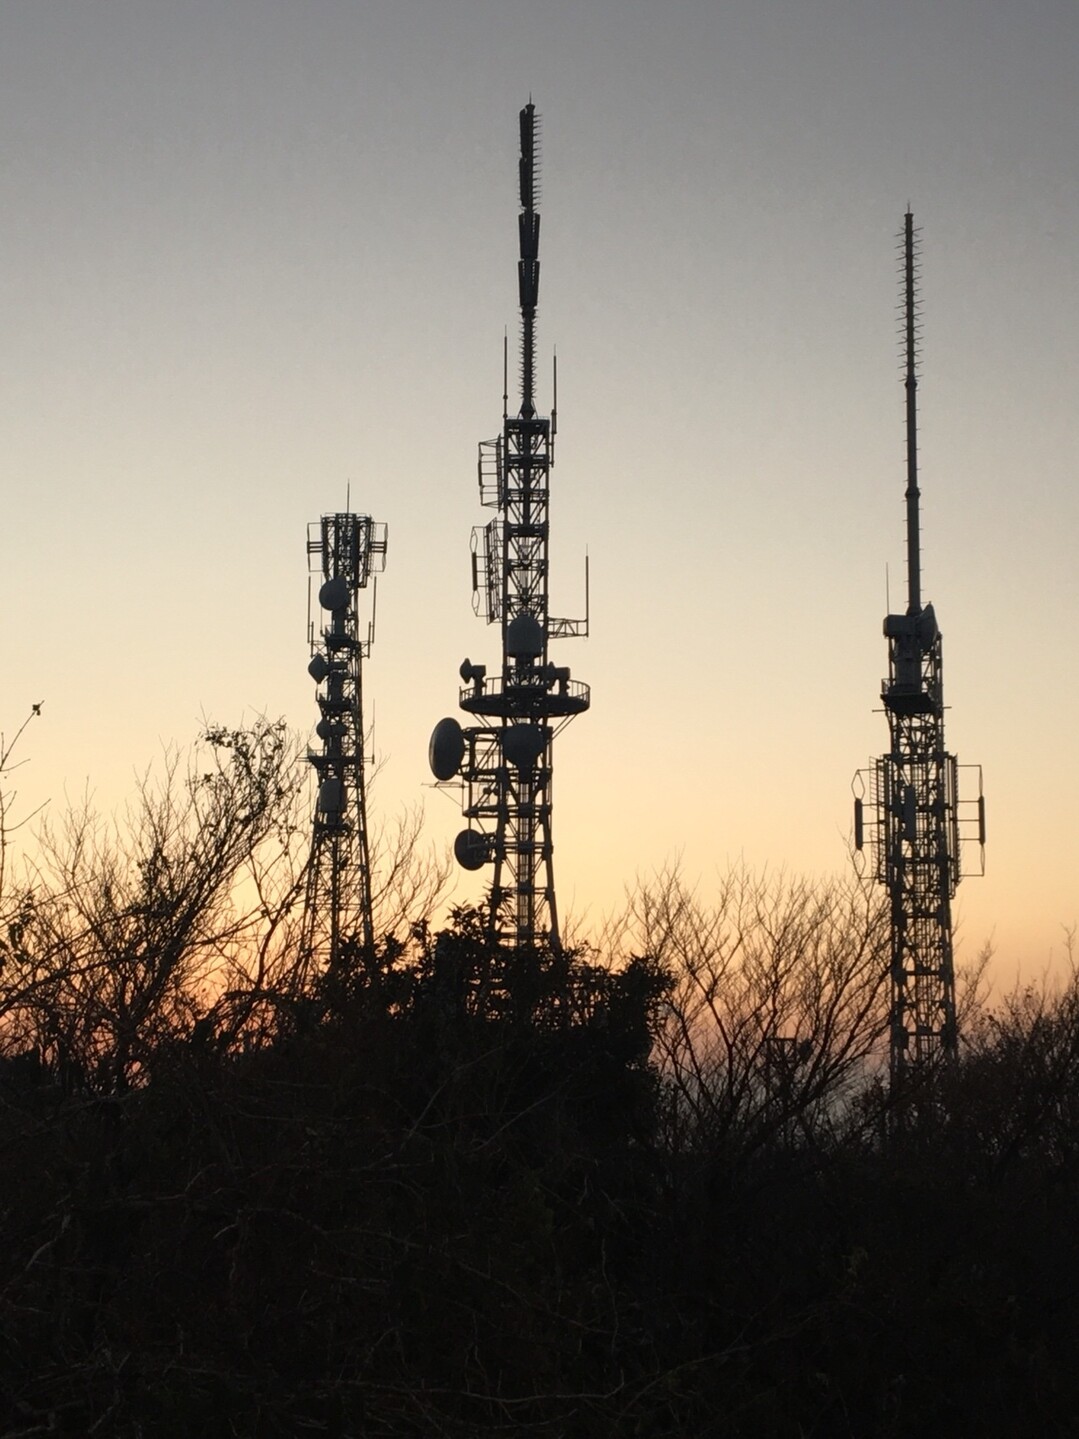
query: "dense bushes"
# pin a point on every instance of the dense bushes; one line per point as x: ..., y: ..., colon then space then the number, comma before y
x: 403, y: 1217
x: 449, y: 1190
x: 450, y: 1198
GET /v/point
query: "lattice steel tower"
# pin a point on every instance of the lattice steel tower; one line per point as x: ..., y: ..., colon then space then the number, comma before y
x: 504, y: 763
x: 345, y: 550
x: 916, y: 819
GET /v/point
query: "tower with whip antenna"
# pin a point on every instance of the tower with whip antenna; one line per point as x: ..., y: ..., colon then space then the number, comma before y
x: 344, y: 552
x: 503, y: 762
x: 908, y: 805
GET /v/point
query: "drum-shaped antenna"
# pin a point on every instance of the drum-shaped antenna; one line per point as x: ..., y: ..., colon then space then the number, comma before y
x: 522, y: 744
x: 524, y: 637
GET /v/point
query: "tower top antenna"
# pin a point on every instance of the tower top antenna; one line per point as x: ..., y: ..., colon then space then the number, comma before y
x: 910, y: 305
x: 528, y: 267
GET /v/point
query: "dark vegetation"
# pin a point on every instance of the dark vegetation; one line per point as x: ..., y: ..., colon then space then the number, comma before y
x: 651, y: 1189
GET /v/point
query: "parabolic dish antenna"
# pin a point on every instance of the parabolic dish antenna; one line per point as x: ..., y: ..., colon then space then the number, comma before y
x: 928, y: 629
x: 334, y: 594
x: 447, y: 749
x: 470, y: 849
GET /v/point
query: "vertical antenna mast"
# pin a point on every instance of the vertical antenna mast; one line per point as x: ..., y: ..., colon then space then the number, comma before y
x: 345, y: 550
x: 910, y: 300
x: 916, y: 817
x: 504, y: 763
x: 528, y: 224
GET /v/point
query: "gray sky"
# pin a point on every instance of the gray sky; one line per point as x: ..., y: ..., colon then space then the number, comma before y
x: 255, y: 252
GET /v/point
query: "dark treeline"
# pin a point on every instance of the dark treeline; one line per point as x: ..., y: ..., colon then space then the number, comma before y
x: 655, y: 1188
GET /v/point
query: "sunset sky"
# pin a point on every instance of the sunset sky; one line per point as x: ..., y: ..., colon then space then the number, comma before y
x: 254, y: 253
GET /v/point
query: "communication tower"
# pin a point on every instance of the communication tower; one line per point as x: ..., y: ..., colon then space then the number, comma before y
x: 503, y: 763
x: 344, y: 551
x: 908, y: 804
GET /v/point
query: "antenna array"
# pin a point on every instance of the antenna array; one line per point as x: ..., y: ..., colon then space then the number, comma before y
x: 916, y: 820
x: 345, y: 551
x: 504, y: 764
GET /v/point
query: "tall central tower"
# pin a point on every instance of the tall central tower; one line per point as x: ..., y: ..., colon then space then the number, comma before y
x: 504, y: 762
x: 915, y: 812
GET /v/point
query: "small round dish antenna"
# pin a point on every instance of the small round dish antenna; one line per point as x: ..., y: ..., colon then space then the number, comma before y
x: 334, y: 594
x: 470, y: 849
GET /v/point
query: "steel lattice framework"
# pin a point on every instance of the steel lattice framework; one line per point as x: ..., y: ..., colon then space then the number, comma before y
x: 345, y: 550
x: 915, y: 794
x: 504, y: 764
x: 915, y: 814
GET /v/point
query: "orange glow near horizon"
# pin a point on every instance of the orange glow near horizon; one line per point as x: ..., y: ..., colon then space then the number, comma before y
x: 253, y: 260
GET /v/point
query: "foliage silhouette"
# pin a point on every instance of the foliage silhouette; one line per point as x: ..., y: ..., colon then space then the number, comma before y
x: 450, y: 1189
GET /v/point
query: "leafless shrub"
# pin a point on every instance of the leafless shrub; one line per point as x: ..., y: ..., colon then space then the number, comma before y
x: 178, y: 921
x: 131, y: 926
x: 779, y: 1002
x: 408, y: 878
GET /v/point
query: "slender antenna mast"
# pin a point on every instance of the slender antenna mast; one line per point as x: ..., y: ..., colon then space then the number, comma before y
x: 505, y: 376
x: 504, y: 764
x: 528, y: 224
x: 345, y: 550
x: 913, y: 495
x: 917, y: 819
